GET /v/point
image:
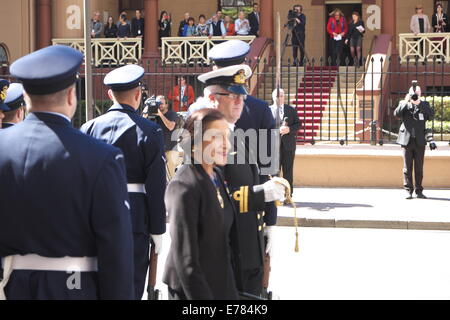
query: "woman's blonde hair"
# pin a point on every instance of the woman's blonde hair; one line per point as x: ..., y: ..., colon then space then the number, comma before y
x: 336, y: 11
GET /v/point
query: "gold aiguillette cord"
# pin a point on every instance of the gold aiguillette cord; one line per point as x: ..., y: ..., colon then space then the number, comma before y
x: 289, y: 200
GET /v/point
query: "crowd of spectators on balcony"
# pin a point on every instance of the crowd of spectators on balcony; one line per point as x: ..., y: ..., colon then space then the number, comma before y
x: 216, y: 26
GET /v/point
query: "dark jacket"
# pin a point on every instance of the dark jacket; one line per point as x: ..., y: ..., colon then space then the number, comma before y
x: 257, y: 116
x: 300, y: 27
x: 289, y: 141
x: 198, y: 257
x: 64, y: 194
x: 164, y: 28
x: 354, y: 33
x: 181, y: 28
x: 124, y: 31
x: 142, y: 144
x: 412, y: 121
x: 241, y: 178
x: 254, y: 23
x: 137, y: 27
x: 434, y: 22
x: 111, y: 32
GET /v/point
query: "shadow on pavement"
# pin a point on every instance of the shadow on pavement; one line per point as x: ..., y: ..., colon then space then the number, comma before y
x: 327, y: 206
x: 438, y: 199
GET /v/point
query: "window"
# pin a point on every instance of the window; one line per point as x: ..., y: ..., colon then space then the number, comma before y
x: 232, y: 7
x: 4, y: 57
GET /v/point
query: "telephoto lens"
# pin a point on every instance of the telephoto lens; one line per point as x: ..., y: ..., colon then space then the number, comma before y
x: 430, y: 139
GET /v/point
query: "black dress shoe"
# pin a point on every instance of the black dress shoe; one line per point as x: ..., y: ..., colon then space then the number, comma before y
x: 409, y: 195
x: 420, y: 195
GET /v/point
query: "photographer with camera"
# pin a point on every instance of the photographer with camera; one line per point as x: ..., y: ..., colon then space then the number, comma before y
x: 157, y: 109
x: 412, y: 137
x: 297, y: 25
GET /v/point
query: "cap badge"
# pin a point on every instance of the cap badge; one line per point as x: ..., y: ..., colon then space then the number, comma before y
x: 239, y: 78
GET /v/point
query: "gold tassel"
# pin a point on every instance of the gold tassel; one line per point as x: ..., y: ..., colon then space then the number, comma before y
x: 291, y: 201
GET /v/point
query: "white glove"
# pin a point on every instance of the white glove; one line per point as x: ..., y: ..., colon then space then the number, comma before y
x: 157, y: 240
x: 273, y: 191
x: 268, y: 232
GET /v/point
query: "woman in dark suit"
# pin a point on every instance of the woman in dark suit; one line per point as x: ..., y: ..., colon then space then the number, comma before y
x: 111, y: 29
x: 439, y: 21
x: 355, y: 36
x: 202, y: 261
x: 165, y: 26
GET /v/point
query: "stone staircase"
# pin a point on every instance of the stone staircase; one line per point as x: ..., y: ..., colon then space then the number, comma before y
x: 324, y: 98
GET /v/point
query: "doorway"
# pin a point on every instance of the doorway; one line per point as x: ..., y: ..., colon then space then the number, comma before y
x: 347, y: 9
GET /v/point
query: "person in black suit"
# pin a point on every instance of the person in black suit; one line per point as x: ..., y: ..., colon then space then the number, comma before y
x: 439, y: 21
x: 138, y: 25
x: 413, y: 113
x: 142, y: 144
x: 286, y: 119
x: 203, y: 260
x: 253, y: 18
x: 65, y: 231
x: 299, y: 35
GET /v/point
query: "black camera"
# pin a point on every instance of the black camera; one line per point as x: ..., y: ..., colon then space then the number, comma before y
x: 292, y: 15
x: 152, y: 106
x: 415, y: 97
x: 414, y: 85
x: 430, y: 139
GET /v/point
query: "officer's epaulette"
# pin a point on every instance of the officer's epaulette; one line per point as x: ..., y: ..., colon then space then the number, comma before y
x: 242, y: 197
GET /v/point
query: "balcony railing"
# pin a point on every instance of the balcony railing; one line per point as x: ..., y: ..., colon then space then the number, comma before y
x: 185, y: 50
x: 425, y: 46
x: 108, y: 51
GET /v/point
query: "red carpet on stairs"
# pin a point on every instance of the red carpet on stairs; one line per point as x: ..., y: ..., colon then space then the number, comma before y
x: 312, y: 98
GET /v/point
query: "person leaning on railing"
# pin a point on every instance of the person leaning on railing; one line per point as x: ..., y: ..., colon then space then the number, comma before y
x: 229, y: 26
x: 217, y: 27
x: 202, y: 27
x: 242, y: 25
x: 190, y: 29
x: 420, y: 22
x: 124, y: 30
x: 111, y: 29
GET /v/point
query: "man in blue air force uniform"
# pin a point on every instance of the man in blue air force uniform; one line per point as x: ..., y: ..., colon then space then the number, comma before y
x: 142, y: 144
x: 16, y: 105
x: 65, y: 230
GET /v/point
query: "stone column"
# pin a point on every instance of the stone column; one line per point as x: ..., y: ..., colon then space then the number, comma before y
x: 151, y: 29
x: 44, y: 10
x: 266, y: 27
x: 388, y: 21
